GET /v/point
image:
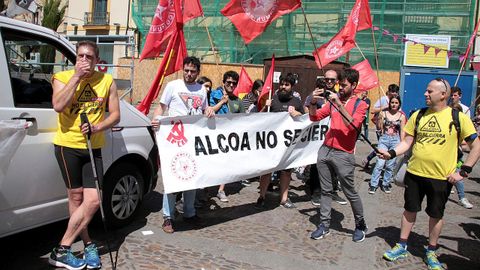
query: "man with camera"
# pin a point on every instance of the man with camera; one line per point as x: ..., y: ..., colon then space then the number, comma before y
x: 323, y: 84
x: 347, y: 113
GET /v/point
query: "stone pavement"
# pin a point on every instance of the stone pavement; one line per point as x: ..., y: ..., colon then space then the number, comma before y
x: 236, y: 236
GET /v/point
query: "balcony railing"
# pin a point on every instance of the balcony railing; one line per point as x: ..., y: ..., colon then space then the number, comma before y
x: 97, y: 18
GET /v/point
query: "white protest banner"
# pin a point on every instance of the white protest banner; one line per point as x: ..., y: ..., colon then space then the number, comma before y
x: 197, y: 152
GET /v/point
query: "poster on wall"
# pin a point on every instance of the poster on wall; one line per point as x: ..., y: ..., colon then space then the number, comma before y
x: 426, y: 51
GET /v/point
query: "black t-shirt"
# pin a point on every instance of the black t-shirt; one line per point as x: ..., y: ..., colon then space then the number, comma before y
x: 279, y: 106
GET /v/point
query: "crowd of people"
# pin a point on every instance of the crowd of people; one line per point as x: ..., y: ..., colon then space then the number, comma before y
x: 432, y: 169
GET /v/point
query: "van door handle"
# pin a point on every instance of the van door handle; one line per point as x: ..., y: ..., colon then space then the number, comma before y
x: 30, y: 121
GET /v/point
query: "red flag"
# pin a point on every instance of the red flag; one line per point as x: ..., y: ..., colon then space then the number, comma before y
x: 191, y: 9
x: 267, y: 86
x: 167, y: 20
x: 333, y: 49
x: 472, y: 38
x: 172, y: 62
x: 252, y: 17
x: 359, y: 19
x: 368, y: 79
x: 244, y: 84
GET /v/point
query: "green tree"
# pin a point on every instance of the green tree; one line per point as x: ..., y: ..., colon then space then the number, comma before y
x: 52, y: 18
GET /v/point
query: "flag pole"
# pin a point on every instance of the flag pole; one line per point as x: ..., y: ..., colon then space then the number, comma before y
x: 470, y: 43
x: 216, y: 56
x: 461, y: 68
x: 360, y: 50
x: 313, y: 41
x: 375, y: 53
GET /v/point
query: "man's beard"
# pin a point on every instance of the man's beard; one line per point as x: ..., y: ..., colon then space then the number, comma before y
x: 284, y: 95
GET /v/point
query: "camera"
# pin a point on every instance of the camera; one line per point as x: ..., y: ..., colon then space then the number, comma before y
x: 326, y: 94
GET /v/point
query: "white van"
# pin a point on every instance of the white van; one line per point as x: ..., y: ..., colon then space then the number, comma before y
x: 32, y: 193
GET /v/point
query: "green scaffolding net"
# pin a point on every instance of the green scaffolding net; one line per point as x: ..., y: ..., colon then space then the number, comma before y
x: 289, y: 35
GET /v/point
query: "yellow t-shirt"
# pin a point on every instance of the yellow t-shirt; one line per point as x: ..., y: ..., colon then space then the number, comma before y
x: 435, y: 149
x: 91, y: 97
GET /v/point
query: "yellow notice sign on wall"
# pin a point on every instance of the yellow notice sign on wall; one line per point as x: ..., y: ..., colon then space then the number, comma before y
x: 416, y: 53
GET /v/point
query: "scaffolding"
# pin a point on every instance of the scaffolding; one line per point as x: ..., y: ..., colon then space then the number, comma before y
x: 289, y: 35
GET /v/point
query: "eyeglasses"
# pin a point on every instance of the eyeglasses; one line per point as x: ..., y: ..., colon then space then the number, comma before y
x: 443, y: 81
x: 330, y: 80
x: 231, y: 82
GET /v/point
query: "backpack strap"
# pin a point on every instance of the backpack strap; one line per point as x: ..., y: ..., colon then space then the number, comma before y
x: 420, y: 114
x: 456, y: 123
x: 355, y: 106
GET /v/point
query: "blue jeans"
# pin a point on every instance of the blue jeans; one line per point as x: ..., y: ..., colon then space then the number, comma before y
x: 385, y: 142
x: 188, y: 204
x: 460, y: 186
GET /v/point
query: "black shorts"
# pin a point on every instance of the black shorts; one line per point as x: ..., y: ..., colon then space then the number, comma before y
x: 76, y: 166
x: 437, y: 192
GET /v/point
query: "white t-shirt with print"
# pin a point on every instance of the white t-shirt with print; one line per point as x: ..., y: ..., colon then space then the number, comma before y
x: 184, y: 99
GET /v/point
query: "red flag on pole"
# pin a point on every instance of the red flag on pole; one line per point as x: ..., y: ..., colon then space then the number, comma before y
x: 244, y: 84
x: 168, y: 18
x: 267, y: 86
x: 191, y: 10
x: 251, y: 18
x: 472, y: 38
x: 359, y: 19
x: 172, y: 62
x: 368, y: 78
x: 333, y: 49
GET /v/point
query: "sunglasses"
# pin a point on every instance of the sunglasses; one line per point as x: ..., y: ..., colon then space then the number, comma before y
x: 231, y: 82
x: 330, y: 80
x: 443, y: 81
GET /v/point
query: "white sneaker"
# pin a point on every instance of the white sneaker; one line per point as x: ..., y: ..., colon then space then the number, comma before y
x: 465, y: 203
x: 222, y: 197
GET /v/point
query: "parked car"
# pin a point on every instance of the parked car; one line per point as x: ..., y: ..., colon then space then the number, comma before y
x: 32, y: 193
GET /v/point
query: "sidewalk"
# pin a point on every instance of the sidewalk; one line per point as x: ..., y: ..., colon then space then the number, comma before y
x: 236, y: 236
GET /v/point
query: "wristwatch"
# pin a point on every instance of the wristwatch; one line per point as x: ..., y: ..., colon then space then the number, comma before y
x: 463, y: 173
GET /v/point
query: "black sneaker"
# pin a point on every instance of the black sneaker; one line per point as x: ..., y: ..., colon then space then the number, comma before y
x: 288, y: 204
x: 386, y: 189
x: 194, y: 220
x: 338, y: 199
x: 260, y: 203
x: 316, y: 200
x: 245, y: 183
x: 372, y: 190
x: 360, y: 231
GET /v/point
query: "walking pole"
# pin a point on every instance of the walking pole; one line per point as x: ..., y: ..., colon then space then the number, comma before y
x: 84, y: 119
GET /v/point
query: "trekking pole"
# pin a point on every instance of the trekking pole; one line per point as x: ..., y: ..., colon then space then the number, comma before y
x: 84, y: 119
x: 357, y: 129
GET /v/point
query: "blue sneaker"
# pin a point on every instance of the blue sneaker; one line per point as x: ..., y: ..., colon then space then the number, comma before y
x: 359, y: 233
x: 432, y: 261
x: 320, y: 232
x: 65, y: 258
x: 397, y: 252
x: 91, y: 257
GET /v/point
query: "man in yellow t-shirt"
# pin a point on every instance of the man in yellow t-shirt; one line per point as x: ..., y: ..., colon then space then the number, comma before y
x: 82, y: 90
x: 432, y: 170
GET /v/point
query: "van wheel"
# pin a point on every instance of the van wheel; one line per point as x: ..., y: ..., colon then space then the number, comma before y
x: 122, y: 194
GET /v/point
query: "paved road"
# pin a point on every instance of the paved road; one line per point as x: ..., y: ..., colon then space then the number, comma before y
x: 236, y: 236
